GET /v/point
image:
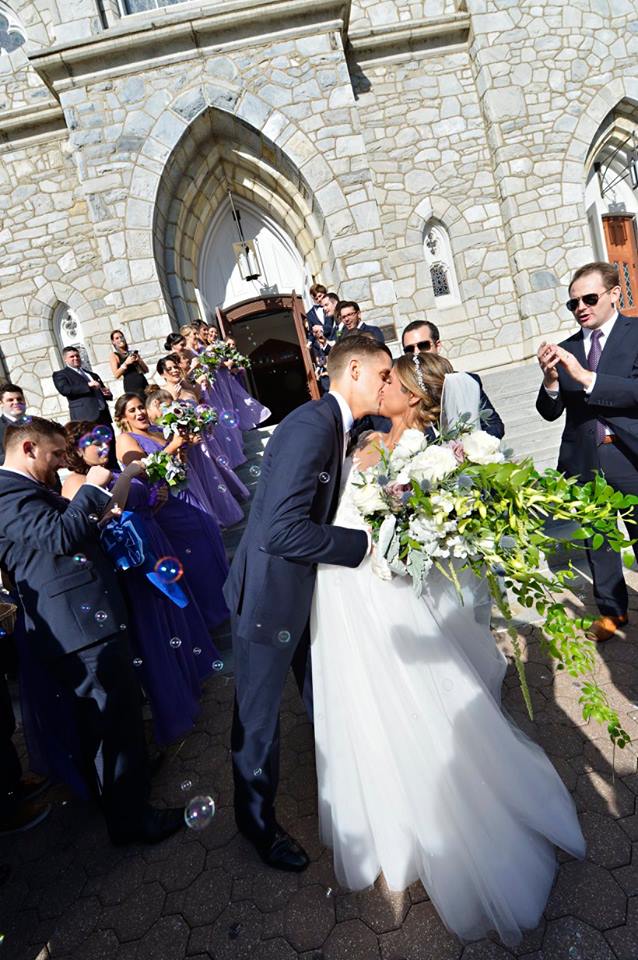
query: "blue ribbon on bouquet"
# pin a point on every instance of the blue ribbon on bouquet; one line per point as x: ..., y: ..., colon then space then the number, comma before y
x: 125, y: 540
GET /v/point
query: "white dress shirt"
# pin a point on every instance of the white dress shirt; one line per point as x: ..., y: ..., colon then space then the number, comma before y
x: 605, y: 330
x: 347, y: 419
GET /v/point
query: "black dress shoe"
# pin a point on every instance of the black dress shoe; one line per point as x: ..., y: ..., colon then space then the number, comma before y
x: 283, y: 853
x: 156, y: 826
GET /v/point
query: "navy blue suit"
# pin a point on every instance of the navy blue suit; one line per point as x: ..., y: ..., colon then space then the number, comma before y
x: 492, y: 423
x: 613, y: 399
x: 40, y: 533
x: 85, y: 402
x: 364, y: 328
x: 270, y: 588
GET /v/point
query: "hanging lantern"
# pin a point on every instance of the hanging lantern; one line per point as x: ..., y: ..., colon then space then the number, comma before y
x: 247, y: 259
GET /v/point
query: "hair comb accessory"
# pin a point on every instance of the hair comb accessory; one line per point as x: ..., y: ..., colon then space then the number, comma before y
x: 419, y: 374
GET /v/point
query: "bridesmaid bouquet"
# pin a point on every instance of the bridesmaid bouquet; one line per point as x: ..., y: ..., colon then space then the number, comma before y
x: 218, y: 354
x: 464, y: 504
x: 186, y: 419
x: 161, y: 466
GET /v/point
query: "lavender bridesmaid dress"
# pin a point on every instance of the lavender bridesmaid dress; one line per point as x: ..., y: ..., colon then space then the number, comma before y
x: 250, y: 413
x: 207, y: 487
x: 228, y: 437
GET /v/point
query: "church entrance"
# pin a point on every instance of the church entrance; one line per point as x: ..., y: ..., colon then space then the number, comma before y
x: 622, y: 250
x: 271, y: 332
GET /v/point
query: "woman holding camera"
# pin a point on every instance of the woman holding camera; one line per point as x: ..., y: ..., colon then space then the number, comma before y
x: 128, y: 364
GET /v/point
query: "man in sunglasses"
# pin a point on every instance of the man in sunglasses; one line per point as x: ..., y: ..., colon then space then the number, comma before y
x: 593, y: 377
x: 421, y: 336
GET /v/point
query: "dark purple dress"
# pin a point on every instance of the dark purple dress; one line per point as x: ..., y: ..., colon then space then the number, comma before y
x: 249, y: 412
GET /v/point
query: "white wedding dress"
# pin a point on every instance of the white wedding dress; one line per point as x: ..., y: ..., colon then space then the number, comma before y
x: 421, y: 775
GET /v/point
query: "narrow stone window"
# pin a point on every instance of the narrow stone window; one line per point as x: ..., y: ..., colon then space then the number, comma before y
x: 12, y: 33
x: 438, y: 256
x: 68, y: 332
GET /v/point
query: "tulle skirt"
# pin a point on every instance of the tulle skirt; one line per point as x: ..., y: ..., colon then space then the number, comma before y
x: 421, y: 775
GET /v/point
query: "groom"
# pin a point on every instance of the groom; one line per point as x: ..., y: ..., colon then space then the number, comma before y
x: 272, y: 579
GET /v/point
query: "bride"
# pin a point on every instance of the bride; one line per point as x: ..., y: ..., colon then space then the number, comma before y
x: 421, y: 775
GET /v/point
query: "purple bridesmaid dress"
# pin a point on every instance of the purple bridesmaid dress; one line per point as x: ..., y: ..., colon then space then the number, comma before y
x: 229, y: 437
x: 250, y: 413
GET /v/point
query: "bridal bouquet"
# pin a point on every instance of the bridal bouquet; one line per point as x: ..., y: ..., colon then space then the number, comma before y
x: 216, y: 355
x: 462, y: 504
x: 186, y: 418
x: 161, y: 466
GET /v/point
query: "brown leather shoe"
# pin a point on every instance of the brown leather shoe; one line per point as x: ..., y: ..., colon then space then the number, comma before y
x: 604, y: 628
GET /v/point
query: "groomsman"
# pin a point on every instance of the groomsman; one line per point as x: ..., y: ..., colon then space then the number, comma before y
x: 76, y: 623
x: 13, y: 405
x: 348, y: 314
x: 421, y: 336
x: 85, y: 391
x: 593, y: 377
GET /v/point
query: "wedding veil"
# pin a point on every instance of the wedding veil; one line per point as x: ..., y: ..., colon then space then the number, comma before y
x: 461, y: 395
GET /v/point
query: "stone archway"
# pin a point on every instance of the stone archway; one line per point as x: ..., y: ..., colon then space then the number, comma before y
x: 219, y: 153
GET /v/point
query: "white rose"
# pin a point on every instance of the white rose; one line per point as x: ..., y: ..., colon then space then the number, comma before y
x: 410, y: 443
x: 481, y: 447
x: 367, y: 499
x: 433, y: 464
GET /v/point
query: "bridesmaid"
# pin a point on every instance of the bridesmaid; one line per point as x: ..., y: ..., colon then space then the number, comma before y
x: 155, y: 400
x: 228, y: 441
x: 192, y: 530
x: 172, y: 647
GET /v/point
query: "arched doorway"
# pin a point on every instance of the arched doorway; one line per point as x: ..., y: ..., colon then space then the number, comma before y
x: 611, y: 197
x: 271, y: 332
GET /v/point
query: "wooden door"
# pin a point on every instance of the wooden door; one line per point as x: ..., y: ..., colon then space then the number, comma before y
x: 299, y: 317
x: 622, y: 251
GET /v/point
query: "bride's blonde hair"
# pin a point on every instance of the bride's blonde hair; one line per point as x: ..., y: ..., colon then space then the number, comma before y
x: 423, y: 375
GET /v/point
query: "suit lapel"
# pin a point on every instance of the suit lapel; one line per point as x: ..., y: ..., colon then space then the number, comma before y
x: 576, y: 345
x: 614, y: 346
x: 335, y: 410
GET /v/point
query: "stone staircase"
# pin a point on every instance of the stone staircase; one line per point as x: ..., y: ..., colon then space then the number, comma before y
x: 513, y: 392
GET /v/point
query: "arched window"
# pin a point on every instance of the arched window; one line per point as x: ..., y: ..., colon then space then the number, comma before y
x: 68, y: 332
x: 12, y: 33
x: 438, y: 256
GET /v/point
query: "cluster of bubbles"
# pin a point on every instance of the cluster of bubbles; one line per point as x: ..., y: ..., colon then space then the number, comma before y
x: 199, y: 812
x: 229, y: 418
x: 100, y: 435
x: 169, y: 569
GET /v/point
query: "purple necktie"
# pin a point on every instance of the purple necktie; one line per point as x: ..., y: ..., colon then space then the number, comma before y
x: 593, y: 358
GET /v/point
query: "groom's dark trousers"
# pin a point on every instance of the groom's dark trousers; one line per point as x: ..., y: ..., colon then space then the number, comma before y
x: 269, y: 592
x: 614, y: 400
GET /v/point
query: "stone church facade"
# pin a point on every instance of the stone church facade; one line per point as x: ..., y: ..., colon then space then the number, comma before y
x: 455, y: 159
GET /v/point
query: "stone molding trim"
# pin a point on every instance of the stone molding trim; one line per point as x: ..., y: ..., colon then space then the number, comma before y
x: 396, y: 40
x: 184, y: 33
x: 28, y: 123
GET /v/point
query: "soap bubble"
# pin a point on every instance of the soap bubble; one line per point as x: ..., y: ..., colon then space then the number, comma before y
x: 175, y: 643
x: 218, y: 665
x: 255, y: 471
x: 257, y: 772
x: 85, y: 441
x: 188, y: 550
x: 169, y: 569
x: 93, y: 517
x: 199, y: 813
x: 324, y: 477
x: 101, y: 616
x: 85, y: 607
x: 284, y: 636
x: 122, y: 626
x: 197, y: 651
x: 137, y: 662
x: 24, y: 420
x: 103, y: 434
x: 186, y: 785
x: 228, y: 418
x: 222, y: 487
x: 223, y: 461
x: 80, y: 559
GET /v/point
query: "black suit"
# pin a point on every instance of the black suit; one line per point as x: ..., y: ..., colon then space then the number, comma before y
x: 89, y: 657
x: 364, y: 328
x: 85, y: 402
x: 270, y: 588
x: 491, y: 423
x: 613, y: 399
x: 4, y: 423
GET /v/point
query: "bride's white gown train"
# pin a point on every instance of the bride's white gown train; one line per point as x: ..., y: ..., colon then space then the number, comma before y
x: 420, y: 773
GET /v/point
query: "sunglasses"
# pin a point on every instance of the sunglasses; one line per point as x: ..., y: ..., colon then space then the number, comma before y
x: 421, y: 347
x: 590, y: 300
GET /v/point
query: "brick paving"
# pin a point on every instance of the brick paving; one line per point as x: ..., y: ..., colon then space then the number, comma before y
x: 66, y: 893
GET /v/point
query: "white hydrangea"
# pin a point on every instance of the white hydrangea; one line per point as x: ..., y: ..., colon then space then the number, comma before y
x: 367, y: 498
x: 410, y: 443
x: 482, y: 448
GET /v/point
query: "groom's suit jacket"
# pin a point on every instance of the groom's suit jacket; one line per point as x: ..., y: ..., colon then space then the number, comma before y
x: 614, y: 399
x: 272, y: 577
